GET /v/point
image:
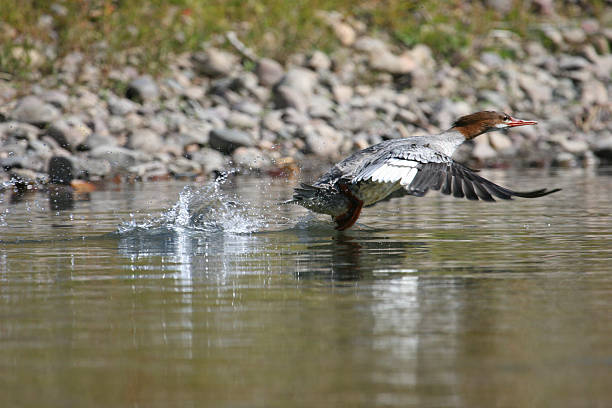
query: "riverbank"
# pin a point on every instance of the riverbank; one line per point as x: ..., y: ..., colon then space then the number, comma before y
x: 227, y: 108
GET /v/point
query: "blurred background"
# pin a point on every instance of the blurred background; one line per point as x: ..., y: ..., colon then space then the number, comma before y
x: 185, y: 88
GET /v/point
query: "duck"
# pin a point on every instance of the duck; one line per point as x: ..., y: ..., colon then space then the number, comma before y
x: 409, y: 166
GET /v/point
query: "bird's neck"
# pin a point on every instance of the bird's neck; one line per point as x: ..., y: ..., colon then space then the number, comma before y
x: 447, y: 142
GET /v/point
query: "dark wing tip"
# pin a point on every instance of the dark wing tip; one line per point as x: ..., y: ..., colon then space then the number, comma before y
x: 535, y: 193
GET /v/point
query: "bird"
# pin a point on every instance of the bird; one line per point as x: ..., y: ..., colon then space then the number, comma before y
x: 408, y: 166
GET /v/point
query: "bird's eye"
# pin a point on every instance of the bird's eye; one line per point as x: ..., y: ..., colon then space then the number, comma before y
x: 506, y: 117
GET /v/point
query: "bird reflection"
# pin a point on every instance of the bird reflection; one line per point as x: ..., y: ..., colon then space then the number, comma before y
x: 354, y: 258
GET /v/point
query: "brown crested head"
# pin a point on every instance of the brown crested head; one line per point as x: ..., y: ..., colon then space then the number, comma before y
x: 478, y: 123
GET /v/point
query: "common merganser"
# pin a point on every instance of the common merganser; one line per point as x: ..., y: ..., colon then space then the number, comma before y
x: 412, y: 165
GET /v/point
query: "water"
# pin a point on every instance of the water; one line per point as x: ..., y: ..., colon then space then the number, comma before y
x: 157, y: 295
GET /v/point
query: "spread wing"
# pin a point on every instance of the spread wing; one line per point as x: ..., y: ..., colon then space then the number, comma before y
x: 442, y: 173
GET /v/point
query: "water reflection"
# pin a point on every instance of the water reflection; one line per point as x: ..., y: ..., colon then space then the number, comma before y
x: 437, y: 303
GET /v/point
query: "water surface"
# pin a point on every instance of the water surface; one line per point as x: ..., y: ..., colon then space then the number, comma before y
x: 158, y: 295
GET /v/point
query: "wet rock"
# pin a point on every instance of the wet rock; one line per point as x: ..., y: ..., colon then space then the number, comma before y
x: 209, y: 159
x: 183, y: 167
x: 250, y: 158
x: 93, y: 168
x: 145, y: 140
x: 31, y: 109
x: 149, y: 170
x: 69, y: 132
x: 143, y: 89
x: 269, y: 72
x: 214, y: 62
x: 227, y: 140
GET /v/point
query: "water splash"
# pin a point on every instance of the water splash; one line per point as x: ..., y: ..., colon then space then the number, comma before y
x: 208, y: 209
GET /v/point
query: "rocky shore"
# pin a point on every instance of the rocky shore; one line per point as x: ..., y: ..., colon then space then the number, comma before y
x: 224, y: 108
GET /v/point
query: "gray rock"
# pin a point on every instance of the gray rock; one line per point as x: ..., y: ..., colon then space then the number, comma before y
x: 287, y: 97
x: 301, y: 80
x: 269, y: 72
x: 69, y: 132
x: 248, y: 107
x: 92, y: 167
x: 184, y: 167
x: 95, y: 140
x: 214, y: 62
x: 250, y: 158
x: 391, y: 63
x: 35, y: 111
x: 149, y: 170
x: 227, y: 140
x: 272, y: 120
x: 211, y: 160
x: 594, y: 93
x: 537, y: 91
x: 145, y: 140
x: 119, y: 157
x: 322, y: 140
x: 56, y: 98
x: 370, y: 45
x: 492, y: 60
x: 18, y: 130
x: 571, y: 62
x: 143, y: 89
x: 342, y: 93
x: 121, y: 106
x: 241, y: 120
x: 482, y: 148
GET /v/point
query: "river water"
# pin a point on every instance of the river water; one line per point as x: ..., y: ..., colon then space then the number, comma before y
x: 159, y: 295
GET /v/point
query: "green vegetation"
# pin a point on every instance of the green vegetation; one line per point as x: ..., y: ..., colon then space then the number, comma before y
x: 146, y: 33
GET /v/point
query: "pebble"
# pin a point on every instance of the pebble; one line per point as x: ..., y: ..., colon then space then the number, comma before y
x: 142, y: 89
x: 145, y: 140
x: 214, y: 62
x: 209, y: 159
x: 31, y: 109
x: 69, y: 132
x: 269, y: 72
x: 227, y: 140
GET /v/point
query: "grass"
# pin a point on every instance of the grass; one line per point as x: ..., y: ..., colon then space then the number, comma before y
x: 146, y: 33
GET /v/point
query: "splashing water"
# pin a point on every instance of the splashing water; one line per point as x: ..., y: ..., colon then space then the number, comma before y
x: 206, y: 209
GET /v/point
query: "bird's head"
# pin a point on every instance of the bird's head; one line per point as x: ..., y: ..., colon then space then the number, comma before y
x: 478, y: 123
